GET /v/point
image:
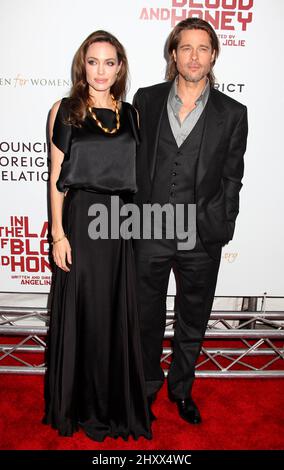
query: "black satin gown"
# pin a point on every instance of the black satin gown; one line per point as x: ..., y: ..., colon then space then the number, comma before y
x: 95, y: 377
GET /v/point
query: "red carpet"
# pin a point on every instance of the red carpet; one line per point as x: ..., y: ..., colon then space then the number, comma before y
x: 237, y: 414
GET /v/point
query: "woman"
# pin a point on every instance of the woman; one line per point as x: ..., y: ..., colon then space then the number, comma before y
x: 95, y: 379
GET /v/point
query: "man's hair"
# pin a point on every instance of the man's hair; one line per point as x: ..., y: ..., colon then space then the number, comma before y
x: 174, y: 39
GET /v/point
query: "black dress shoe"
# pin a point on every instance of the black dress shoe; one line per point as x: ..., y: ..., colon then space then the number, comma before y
x: 188, y: 411
x: 150, y: 400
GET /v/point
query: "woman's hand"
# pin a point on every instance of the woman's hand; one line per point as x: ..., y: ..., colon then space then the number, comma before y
x: 62, y: 252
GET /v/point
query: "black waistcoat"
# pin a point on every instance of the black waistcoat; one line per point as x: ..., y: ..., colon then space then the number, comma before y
x: 175, y: 172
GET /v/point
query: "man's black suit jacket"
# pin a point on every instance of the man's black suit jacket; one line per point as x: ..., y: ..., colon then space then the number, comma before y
x: 220, y: 162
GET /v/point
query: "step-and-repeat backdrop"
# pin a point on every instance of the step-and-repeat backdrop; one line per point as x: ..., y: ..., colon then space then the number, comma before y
x: 38, y: 41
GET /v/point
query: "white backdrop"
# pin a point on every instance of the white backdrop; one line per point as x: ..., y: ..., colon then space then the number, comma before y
x: 38, y: 40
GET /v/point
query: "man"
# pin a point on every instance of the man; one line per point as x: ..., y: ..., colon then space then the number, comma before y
x: 193, y: 139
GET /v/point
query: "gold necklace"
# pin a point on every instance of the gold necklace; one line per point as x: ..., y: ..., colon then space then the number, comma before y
x: 99, y: 123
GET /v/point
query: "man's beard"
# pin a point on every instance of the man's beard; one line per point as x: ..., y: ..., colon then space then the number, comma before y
x: 193, y: 78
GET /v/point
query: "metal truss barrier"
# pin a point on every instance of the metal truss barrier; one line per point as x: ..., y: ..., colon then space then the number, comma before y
x: 259, y: 335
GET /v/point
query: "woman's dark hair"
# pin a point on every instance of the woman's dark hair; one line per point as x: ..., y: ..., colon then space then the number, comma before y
x: 79, y: 95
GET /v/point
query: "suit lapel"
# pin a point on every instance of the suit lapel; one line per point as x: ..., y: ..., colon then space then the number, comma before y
x: 157, y: 109
x: 212, y: 133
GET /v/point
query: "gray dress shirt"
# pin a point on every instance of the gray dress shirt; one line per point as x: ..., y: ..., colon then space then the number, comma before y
x: 182, y: 130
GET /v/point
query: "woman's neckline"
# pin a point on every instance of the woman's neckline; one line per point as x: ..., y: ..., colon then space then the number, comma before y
x: 109, y: 109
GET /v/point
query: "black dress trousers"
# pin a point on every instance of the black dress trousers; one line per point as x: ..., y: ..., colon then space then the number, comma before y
x: 196, y: 276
